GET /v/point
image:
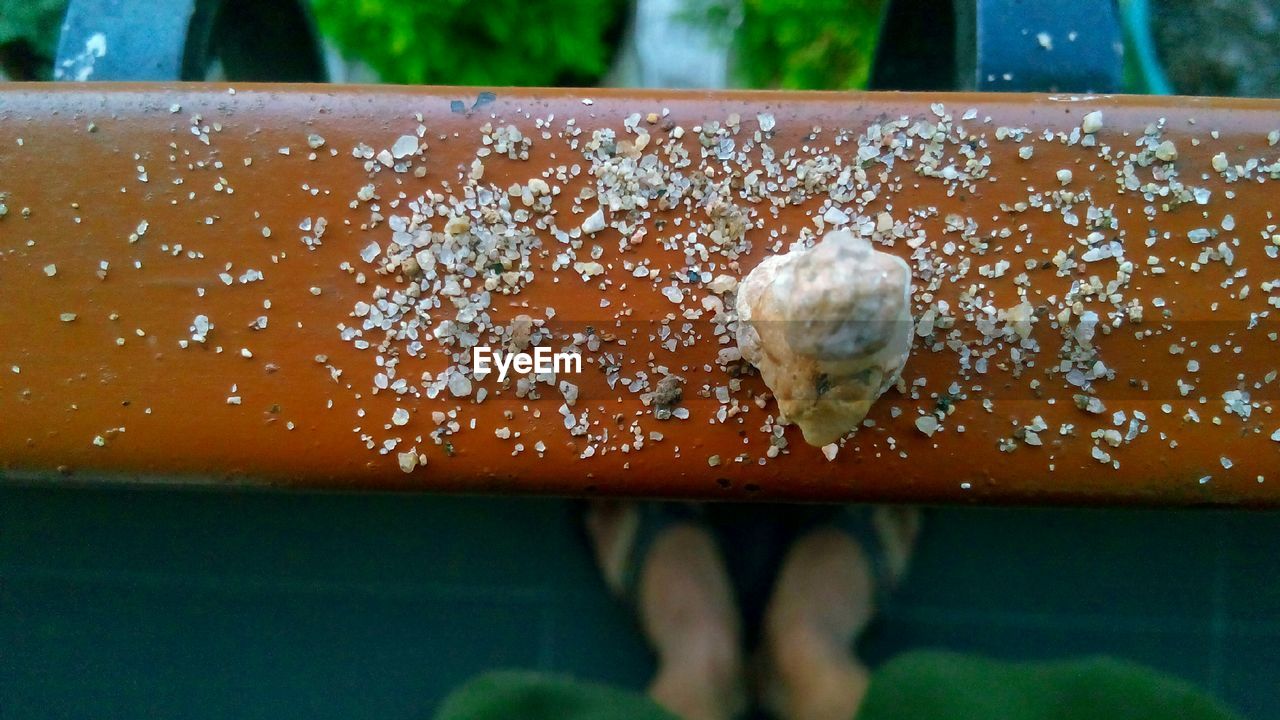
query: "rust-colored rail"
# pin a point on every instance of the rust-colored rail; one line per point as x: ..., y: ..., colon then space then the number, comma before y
x: 170, y: 306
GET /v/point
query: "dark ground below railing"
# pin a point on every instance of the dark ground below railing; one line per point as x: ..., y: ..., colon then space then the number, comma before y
x: 197, y: 603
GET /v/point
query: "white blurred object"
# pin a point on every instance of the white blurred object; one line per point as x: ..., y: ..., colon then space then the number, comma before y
x: 667, y: 46
x: 345, y: 70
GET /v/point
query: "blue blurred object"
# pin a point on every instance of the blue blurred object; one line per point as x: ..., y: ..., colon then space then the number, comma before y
x: 1073, y: 46
x: 158, y: 40
x: 1047, y: 46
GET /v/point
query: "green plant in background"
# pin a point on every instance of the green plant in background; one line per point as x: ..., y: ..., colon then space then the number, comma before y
x: 484, y: 42
x: 794, y: 44
x: 808, y: 44
x: 800, y: 44
x: 29, y: 37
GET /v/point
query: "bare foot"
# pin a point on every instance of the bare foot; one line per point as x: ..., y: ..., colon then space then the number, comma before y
x: 687, y: 610
x: 821, y: 603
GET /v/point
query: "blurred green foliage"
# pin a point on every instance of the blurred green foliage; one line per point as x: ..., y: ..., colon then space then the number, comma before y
x: 808, y: 44
x: 29, y: 36
x: 800, y: 44
x: 481, y: 42
x: 794, y: 44
x: 797, y: 44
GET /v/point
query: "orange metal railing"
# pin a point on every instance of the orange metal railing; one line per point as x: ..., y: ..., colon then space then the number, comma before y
x: 272, y: 211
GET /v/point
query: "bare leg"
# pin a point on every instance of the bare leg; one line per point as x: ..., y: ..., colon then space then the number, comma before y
x: 687, y: 610
x: 822, y: 601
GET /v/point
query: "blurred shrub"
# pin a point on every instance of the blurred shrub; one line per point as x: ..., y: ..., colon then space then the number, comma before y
x: 477, y: 42
x: 802, y: 44
x: 29, y: 37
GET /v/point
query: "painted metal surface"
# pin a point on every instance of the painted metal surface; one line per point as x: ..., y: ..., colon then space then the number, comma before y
x: 111, y: 392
